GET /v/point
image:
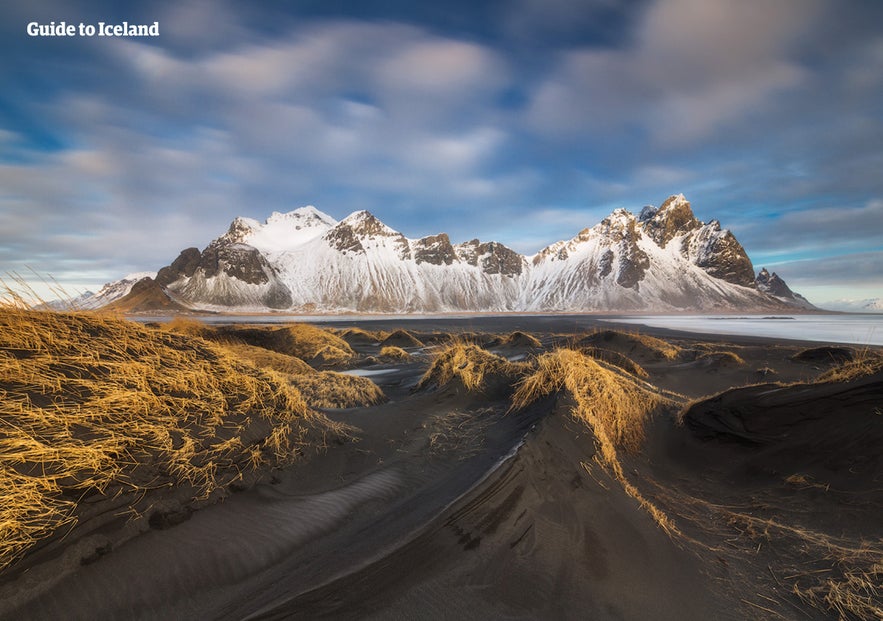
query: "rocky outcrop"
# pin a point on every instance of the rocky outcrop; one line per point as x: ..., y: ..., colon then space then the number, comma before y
x: 435, y: 250
x: 707, y: 246
x: 772, y: 284
x: 491, y: 257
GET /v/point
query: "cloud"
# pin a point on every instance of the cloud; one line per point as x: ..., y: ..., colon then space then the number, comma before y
x: 344, y: 112
x: 821, y: 230
x: 521, y: 122
x: 853, y: 276
x: 690, y: 68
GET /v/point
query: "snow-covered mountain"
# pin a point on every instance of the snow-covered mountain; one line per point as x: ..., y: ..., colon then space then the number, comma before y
x: 110, y: 292
x: 775, y: 286
x: 871, y: 305
x: 306, y: 261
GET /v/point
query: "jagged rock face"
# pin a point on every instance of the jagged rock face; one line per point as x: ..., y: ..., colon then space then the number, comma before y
x: 237, y: 260
x: 342, y: 237
x: 182, y: 267
x: 705, y: 245
x: 240, y: 230
x: 674, y: 217
x: 555, y: 252
x: 605, y: 264
x: 435, y: 249
x: 772, y: 284
x: 491, y: 257
x: 189, y: 274
x: 720, y: 254
x: 361, y: 229
x: 620, y: 228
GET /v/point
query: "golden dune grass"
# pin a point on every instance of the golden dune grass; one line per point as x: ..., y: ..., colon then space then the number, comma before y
x: 727, y: 358
x: 267, y: 359
x: 613, y: 404
x: 307, y: 342
x: 402, y: 338
x: 866, y: 363
x: 468, y: 363
x: 188, y: 326
x: 327, y: 389
x: 634, y: 342
x: 92, y: 404
x: 358, y: 335
x: 391, y: 352
x: 521, y: 339
x: 615, y: 358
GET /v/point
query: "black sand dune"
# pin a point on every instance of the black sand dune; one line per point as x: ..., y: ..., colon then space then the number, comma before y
x: 450, y: 504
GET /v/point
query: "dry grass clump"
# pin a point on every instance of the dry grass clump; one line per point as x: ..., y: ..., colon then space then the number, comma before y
x: 300, y: 340
x: 331, y: 356
x: 631, y: 343
x: 95, y: 405
x: 521, y: 339
x: 825, y: 355
x: 614, y: 405
x: 468, y: 363
x: 391, y: 352
x: 721, y: 358
x: 857, y: 594
x: 362, y: 337
x: 402, y: 338
x: 864, y: 364
x: 617, y: 359
x: 268, y: 359
x: 327, y: 389
x: 185, y: 325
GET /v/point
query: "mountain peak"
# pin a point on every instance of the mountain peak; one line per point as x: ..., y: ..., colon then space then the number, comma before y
x: 301, y: 214
x: 364, y: 223
x: 673, y: 218
x: 772, y: 284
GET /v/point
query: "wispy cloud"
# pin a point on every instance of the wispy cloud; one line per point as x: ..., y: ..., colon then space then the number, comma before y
x: 521, y: 121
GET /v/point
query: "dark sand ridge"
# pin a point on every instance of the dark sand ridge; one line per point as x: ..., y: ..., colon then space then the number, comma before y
x: 382, y: 527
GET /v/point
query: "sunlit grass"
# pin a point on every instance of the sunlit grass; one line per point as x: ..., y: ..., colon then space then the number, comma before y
x: 93, y: 404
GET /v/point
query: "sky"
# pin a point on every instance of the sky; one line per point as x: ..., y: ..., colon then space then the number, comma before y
x: 520, y: 122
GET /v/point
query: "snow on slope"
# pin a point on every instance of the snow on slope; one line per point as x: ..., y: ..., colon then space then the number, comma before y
x: 110, y: 292
x: 362, y: 264
x: 305, y: 260
x: 282, y: 231
x: 615, y: 266
x: 871, y: 305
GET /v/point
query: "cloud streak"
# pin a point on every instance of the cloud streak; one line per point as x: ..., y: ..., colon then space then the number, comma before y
x: 521, y: 122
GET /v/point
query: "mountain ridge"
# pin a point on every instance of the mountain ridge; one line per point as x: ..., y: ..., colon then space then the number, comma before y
x: 664, y: 259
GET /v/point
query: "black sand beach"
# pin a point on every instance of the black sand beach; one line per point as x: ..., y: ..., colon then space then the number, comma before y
x: 754, y: 492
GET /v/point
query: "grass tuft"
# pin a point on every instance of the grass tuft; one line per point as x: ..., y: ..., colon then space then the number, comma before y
x: 402, y: 338
x: 327, y: 389
x: 614, y: 405
x: 865, y: 363
x: 94, y: 405
x: 358, y: 336
x: 267, y: 359
x: 391, y: 352
x: 521, y: 339
x: 617, y: 359
x: 631, y: 344
x: 469, y: 364
x: 309, y: 343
